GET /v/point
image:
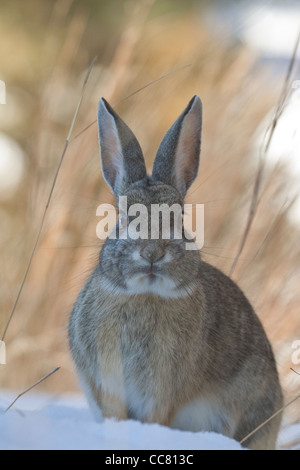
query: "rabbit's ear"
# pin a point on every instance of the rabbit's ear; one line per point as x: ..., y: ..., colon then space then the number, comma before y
x: 177, y: 159
x: 122, y: 159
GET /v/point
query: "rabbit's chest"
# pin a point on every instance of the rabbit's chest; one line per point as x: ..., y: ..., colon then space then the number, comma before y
x: 136, y: 363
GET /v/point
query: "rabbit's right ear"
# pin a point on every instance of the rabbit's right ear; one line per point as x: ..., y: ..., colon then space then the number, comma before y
x: 177, y: 159
x: 122, y: 159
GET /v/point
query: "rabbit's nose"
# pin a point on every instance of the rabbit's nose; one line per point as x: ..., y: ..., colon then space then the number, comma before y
x: 152, y: 252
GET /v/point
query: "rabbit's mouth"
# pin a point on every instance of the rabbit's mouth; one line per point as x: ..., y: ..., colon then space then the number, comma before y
x: 151, y: 274
x: 154, y: 280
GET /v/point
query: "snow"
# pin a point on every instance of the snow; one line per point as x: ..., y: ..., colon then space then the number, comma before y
x: 289, y: 437
x: 41, y: 422
x: 44, y: 422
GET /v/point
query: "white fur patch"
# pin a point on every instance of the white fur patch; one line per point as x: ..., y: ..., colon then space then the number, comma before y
x: 163, y: 286
x: 135, y: 255
x: 140, y: 406
x: 203, y: 415
x: 95, y: 408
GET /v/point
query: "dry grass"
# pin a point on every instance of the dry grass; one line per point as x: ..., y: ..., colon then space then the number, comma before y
x: 236, y: 97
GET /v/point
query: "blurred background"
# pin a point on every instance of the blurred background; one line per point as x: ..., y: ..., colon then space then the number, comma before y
x: 152, y: 57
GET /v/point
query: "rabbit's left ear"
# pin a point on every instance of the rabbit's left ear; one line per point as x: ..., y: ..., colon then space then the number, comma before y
x: 122, y: 159
x: 177, y: 159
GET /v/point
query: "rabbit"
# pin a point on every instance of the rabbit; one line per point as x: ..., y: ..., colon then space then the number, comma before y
x: 157, y: 334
